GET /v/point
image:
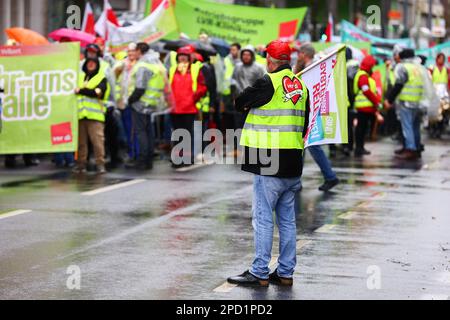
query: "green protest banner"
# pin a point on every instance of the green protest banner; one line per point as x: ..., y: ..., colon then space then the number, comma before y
x: 39, y: 113
x: 235, y: 23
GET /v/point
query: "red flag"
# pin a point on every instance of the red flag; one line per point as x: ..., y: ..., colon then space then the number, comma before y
x: 88, y: 20
x: 329, y: 29
x: 101, y: 27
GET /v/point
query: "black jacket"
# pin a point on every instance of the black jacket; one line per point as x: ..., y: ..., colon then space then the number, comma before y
x: 290, y: 160
x: 102, y: 85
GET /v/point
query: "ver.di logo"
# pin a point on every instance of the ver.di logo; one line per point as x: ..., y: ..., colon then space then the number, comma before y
x: 292, y: 89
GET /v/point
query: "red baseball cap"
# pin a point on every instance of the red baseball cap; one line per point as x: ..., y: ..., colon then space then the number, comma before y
x: 189, y: 49
x: 279, y: 50
x: 99, y: 41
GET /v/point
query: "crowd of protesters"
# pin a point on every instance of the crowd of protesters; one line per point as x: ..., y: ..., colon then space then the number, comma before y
x: 130, y: 102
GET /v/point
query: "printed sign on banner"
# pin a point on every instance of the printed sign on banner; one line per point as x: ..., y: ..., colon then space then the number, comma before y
x: 326, y: 80
x: 236, y: 23
x: 39, y: 105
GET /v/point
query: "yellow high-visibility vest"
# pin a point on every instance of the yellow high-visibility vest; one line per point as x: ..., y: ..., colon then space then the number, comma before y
x: 440, y: 76
x: 413, y: 89
x: 155, y: 86
x: 279, y: 123
x: 361, y: 100
x: 91, y: 108
x: 229, y: 69
x: 195, y: 71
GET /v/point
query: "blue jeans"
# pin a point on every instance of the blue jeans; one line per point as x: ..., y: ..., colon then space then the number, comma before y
x: 130, y: 133
x: 143, y: 128
x: 410, y: 119
x: 269, y: 194
x: 66, y: 158
x: 322, y: 161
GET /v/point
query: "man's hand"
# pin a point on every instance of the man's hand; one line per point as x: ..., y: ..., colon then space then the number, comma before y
x: 77, y: 90
x: 387, y: 104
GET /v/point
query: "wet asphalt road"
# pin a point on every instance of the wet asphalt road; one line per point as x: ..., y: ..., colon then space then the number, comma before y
x: 384, y: 233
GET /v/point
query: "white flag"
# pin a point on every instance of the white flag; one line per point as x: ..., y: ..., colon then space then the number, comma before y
x: 326, y: 80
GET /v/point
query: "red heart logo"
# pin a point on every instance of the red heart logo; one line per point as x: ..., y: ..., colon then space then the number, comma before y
x: 292, y: 89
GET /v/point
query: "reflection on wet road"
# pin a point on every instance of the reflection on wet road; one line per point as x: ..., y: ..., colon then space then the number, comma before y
x: 382, y: 233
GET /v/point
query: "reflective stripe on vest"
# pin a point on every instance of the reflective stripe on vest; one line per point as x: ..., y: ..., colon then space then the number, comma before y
x: 155, y: 86
x: 413, y: 89
x: 440, y: 76
x: 90, y: 108
x: 195, y: 71
x: 229, y: 68
x: 361, y: 101
x: 279, y: 123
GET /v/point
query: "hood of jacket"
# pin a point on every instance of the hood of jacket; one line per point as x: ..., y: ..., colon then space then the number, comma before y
x: 251, y: 49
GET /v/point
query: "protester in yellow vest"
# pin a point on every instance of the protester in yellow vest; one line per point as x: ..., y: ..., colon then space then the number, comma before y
x: 188, y: 87
x: 407, y: 93
x: 277, y: 106
x: 439, y: 73
x: 367, y: 101
x: 146, y: 87
x: 227, y: 110
x: 91, y: 90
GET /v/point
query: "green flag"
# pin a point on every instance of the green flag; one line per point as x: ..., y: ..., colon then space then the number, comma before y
x: 234, y: 23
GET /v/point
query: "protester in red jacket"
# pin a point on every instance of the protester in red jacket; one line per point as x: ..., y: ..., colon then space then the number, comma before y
x: 188, y: 87
x: 367, y: 101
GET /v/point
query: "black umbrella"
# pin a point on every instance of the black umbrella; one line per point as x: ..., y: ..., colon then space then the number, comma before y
x: 204, y: 49
x: 222, y: 47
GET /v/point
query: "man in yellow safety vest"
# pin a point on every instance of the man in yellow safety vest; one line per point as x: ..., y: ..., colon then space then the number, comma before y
x: 146, y: 88
x: 408, y: 93
x: 278, y: 107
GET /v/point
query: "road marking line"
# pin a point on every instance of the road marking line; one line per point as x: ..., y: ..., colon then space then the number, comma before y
x: 364, y: 204
x: 156, y: 221
x: 348, y: 215
x: 13, y: 213
x: 193, y: 167
x: 113, y: 187
x: 225, y: 287
x: 326, y: 228
x: 302, y: 243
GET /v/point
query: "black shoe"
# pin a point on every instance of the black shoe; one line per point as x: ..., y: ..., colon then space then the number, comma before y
x: 361, y: 152
x: 247, y: 279
x: 274, y: 278
x: 32, y: 162
x: 399, y: 151
x: 329, y: 184
x: 346, y: 152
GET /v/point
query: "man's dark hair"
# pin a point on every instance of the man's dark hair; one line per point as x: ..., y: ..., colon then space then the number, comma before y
x: 142, y: 47
x: 440, y: 54
x: 406, y: 54
x: 235, y: 44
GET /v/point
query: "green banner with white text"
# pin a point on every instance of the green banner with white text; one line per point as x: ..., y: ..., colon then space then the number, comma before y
x: 39, y: 111
x: 235, y: 23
